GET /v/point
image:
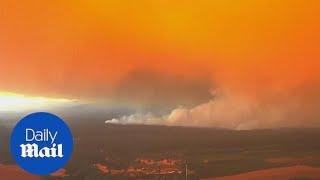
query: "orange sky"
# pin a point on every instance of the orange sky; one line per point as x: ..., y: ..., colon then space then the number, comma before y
x: 94, y: 49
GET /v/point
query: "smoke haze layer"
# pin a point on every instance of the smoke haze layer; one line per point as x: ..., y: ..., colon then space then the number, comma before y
x: 295, y: 108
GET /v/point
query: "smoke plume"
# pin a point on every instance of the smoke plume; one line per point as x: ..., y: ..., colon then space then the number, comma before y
x: 295, y: 108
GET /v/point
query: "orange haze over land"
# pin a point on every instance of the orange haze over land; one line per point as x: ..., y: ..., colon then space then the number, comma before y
x: 258, y: 58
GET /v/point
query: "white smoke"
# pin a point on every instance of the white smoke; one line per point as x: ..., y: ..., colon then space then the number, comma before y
x: 238, y: 112
x: 222, y: 112
x: 138, y: 118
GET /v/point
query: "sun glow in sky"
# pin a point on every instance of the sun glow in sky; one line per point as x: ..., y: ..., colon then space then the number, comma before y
x: 18, y: 102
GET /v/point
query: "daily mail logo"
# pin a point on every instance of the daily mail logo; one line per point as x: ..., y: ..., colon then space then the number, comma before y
x: 33, y: 150
x: 41, y: 143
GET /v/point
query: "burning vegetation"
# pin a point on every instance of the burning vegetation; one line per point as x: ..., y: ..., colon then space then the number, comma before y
x: 143, y: 167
